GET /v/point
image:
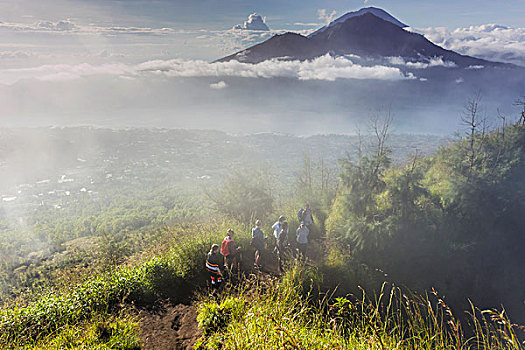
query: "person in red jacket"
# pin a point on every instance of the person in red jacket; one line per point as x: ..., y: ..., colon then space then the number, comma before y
x: 230, y: 251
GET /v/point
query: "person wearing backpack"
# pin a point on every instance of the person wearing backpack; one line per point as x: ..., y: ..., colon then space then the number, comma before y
x: 278, y: 226
x: 305, y: 215
x: 282, y: 243
x: 214, y: 266
x: 257, y: 242
x: 230, y: 251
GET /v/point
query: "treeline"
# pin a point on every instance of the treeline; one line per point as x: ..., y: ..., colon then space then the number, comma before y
x: 453, y: 221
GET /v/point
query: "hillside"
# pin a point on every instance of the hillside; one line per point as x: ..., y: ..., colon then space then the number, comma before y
x: 61, y: 189
x: 422, y: 224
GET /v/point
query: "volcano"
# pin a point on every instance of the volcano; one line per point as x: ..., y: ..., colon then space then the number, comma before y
x: 369, y: 34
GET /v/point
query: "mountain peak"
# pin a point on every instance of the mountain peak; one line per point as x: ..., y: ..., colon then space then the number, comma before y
x: 362, y: 33
x: 380, y: 13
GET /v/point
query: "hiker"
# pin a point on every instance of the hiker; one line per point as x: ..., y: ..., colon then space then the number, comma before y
x: 257, y: 242
x: 230, y: 251
x: 278, y: 226
x: 282, y: 242
x: 214, y: 266
x: 305, y: 215
x: 302, y: 238
x: 282, y: 239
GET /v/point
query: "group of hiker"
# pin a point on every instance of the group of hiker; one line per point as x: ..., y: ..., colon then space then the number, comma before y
x: 227, y: 256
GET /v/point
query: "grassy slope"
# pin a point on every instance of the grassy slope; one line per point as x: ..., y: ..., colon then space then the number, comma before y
x: 262, y: 312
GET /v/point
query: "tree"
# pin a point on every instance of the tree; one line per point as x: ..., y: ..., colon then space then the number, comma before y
x: 244, y: 196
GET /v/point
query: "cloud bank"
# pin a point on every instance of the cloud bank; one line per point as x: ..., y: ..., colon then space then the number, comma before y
x: 68, y: 26
x: 489, y: 41
x: 325, y: 68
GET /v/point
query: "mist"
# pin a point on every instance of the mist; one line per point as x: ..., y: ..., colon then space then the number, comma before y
x: 431, y: 102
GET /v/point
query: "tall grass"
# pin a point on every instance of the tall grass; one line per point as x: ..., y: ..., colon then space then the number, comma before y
x: 170, y: 270
x: 286, y: 315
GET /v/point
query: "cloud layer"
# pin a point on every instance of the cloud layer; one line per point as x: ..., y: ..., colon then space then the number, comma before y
x: 323, y: 68
x: 489, y: 41
x: 68, y: 26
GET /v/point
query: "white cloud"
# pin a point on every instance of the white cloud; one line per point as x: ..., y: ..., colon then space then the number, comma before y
x: 475, y: 67
x: 7, y: 55
x: 323, y: 15
x: 220, y: 85
x: 68, y: 26
x: 489, y: 41
x: 322, y: 68
x: 64, y: 25
x: 426, y: 63
x: 254, y: 22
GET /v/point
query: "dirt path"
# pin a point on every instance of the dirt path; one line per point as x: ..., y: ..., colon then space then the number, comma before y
x: 170, y: 328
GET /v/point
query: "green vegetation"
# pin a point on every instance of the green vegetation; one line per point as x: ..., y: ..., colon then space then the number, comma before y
x: 170, y: 271
x: 286, y: 315
x: 450, y: 222
x: 69, y: 196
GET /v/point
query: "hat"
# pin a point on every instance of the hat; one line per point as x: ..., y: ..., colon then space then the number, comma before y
x: 282, y: 217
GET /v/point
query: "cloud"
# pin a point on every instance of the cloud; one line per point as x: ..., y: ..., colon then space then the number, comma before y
x: 64, y: 25
x: 489, y: 41
x: 323, y: 15
x: 218, y: 86
x: 68, y: 26
x: 8, y: 55
x: 322, y: 68
x: 254, y: 22
x: 426, y: 63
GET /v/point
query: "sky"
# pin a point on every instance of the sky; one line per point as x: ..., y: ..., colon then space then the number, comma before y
x: 56, y: 55
x: 200, y: 29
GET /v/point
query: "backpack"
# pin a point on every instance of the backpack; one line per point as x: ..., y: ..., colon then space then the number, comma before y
x: 300, y: 215
x: 225, y: 246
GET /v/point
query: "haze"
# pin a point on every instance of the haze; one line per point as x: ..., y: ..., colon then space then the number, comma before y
x: 147, y: 64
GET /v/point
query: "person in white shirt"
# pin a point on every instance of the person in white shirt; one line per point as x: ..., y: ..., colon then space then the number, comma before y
x: 277, y: 227
x: 302, y: 238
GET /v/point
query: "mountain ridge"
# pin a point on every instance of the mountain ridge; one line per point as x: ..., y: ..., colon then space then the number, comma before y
x: 364, y: 35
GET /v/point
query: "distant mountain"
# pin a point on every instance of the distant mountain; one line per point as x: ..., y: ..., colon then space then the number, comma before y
x: 373, y: 10
x: 369, y: 35
x: 365, y: 35
x: 287, y: 45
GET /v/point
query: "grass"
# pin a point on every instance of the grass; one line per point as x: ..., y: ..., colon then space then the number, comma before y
x: 103, y: 331
x: 260, y: 312
x: 172, y: 269
x: 286, y: 315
